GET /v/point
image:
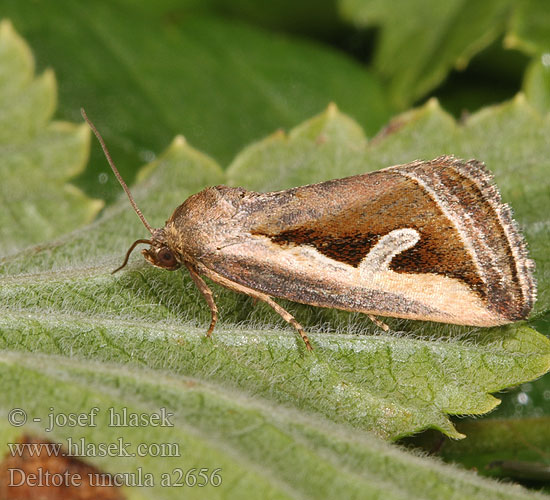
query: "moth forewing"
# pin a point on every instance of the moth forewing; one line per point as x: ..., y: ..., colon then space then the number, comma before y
x: 425, y: 240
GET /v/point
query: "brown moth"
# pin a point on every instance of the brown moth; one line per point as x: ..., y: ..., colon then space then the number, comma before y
x: 428, y: 240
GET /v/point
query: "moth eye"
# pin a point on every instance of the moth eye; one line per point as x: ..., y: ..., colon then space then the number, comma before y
x: 166, y: 257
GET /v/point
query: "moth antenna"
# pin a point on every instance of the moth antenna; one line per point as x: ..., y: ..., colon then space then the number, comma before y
x: 116, y: 172
x: 130, y: 250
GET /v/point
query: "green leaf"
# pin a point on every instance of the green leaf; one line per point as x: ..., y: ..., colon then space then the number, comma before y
x: 529, y: 27
x: 311, y: 152
x: 283, y: 15
x: 220, y: 82
x: 536, y: 84
x: 529, y: 32
x: 262, y: 451
x: 37, y: 156
x: 421, y: 41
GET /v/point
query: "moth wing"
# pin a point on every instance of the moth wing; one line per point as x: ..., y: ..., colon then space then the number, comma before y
x: 386, y: 243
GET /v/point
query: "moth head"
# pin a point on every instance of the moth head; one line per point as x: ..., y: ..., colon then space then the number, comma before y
x: 159, y: 253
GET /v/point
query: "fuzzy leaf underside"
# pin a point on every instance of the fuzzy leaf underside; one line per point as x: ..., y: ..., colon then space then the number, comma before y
x: 262, y: 451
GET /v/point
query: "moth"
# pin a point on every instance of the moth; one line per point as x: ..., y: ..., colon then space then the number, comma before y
x: 427, y: 240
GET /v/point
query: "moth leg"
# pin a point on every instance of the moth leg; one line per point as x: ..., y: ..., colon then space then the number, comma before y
x: 207, y: 294
x: 288, y: 318
x: 378, y: 323
x: 260, y: 296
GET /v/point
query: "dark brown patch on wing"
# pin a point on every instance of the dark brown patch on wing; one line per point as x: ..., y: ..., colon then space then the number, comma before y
x: 353, y: 220
x: 433, y: 256
x: 347, y: 248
